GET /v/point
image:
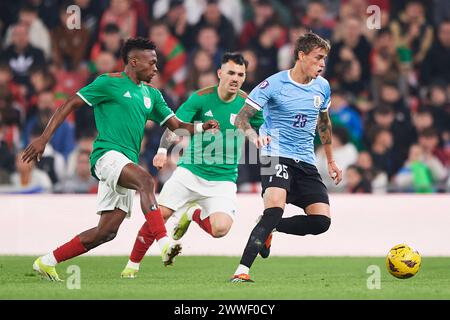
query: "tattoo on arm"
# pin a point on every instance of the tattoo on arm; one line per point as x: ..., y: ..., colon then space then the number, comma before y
x: 242, y: 120
x: 167, y: 139
x: 324, y: 126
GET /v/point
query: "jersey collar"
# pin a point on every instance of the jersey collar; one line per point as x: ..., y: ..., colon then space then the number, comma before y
x: 126, y: 76
x: 299, y: 84
x: 220, y: 99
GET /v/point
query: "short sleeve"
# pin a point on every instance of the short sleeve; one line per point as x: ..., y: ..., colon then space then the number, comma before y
x: 327, y: 99
x: 96, y: 92
x: 161, y: 111
x: 260, y: 95
x: 189, y: 109
x: 257, y: 120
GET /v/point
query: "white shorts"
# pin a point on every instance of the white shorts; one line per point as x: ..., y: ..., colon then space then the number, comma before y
x: 184, y: 188
x: 110, y: 195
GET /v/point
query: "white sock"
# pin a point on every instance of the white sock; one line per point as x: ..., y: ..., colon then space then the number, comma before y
x: 133, y: 265
x: 242, y: 269
x: 49, y: 260
x: 163, y: 242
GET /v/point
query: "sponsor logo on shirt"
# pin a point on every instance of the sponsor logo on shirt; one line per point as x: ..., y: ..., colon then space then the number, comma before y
x: 209, y: 113
x: 127, y: 94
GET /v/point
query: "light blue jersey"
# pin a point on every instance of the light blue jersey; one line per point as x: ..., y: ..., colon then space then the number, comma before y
x: 290, y: 111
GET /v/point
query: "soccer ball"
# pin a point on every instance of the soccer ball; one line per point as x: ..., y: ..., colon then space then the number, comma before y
x: 403, y: 261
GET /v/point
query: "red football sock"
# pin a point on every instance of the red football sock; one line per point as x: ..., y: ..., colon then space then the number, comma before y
x: 156, y: 224
x: 69, y: 250
x: 143, y: 241
x: 204, y: 224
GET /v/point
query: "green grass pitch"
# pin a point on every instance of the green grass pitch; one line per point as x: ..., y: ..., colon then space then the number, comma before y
x: 205, y: 278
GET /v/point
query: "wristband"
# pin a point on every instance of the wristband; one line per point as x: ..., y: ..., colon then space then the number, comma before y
x: 162, y: 151
x: 198, y: 127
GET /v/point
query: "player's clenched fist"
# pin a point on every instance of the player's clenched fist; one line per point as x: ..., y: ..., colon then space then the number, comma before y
x: 263, y: 141
x: 211, y: 124
x: 334, y: 172
x: 159, y: 160
x: 260, y: 141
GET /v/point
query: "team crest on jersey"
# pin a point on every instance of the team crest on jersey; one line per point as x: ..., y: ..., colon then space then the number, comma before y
x: 147, y: 102
x: 233, y: 118
x: 317, y: 101
x: 264, y: 84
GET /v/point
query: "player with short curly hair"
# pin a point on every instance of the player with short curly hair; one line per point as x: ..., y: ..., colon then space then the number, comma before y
x: 123, y: 102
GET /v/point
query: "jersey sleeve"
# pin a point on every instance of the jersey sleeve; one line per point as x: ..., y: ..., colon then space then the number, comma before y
x: 161, y: 111
x: 257, y: 120
x: 260, y: 95
x: 96, y: 92
x: 327, y: 100
x: 189, y: 109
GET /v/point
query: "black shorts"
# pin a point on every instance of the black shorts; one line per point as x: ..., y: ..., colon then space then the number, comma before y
x: 301, y: 180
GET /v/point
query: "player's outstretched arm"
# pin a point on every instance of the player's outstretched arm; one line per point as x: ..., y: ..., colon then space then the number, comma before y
x: 324, y: 127
x: 35, y: 149
x: 242, y: 122
x: 174, y: 124
x: 176, y: 127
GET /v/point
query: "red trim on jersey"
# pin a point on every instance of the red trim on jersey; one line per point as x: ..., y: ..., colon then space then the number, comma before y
x: 115, y: 74
x: 206, y: 90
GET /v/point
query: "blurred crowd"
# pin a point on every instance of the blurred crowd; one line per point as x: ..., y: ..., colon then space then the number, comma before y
x: 390, y: 84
